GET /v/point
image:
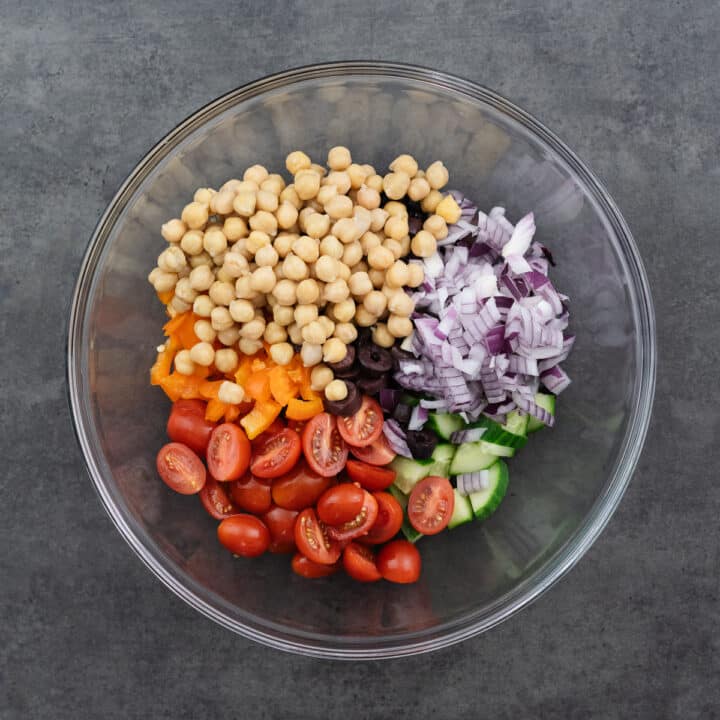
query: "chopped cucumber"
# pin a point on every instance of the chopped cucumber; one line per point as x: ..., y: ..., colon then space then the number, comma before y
x: 485, y: 502
x: 497, y: 449
x: 408, y: 472
x: 407, y: 529
x: 503, y: 434
x: 442, y: 457
x: 517, y: 423
x: 445, y: 424
x: 462, y: 512
x: 470, y: 457
x: 545, y: 401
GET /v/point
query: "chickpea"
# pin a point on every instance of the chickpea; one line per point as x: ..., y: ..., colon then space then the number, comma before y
x: 357, y: 175
x: 283, y: 243
x: 375, y: 302
x: 344, y: 311
x: 363, y: 318
x: 222, y: 202
x: 234, y: 266
x: 396, y: 227
x: 394, y: 247
x: 352, y: 253
x: 379, y: 217
x: 256, y: 240
x: 361, y: 266
x: 222, y: 293
x: 307, y: 184
x: 319, y: 169
x: 289, y: 195
x: 234, y: 228
x: 285, y: 292
x: 341, y: 181
x: 368, y: 197
x: 401, y: 304
x: 274, y: 333
x: 221, y: 319
x: 230, y: 336
x: 343, y: 272
x: 437, y: 175
x: 267, y: 256
x: 362, y: 217
x: 326, y: 193
x: 346, y: 230
x: 282, y: 353
x: 254, y: 329
x: 338, y: 158
x: 241, y: 311
x: 303, y: 215
x: 248, y: 346
x: 203, y: 306
x: 240, y: 247
x: 172, y: 259
x: 368, y: 170
x: 308, y: 291
x: 326, y: 268
x: 263, y: 279
x: 340, y: 206
x: 241, y: 186
x: 380, y: 258
x: 377, y: 277
x: 331, y: 246
x: 396, y: 184
x: 266, y: 200
x: 423, y: 244
x: 259, y: 301
x: 273, y: 183
x: 195, y: 215
x: 317, y: 225
x: 374, y: 182
x: 360, y: 284
x: 382, y: 337
x: 406, y: 164
x: 179, y: 305
x: 294, y: 267
x: 397, y: 275
x: 336, y: 291
x: 219, y: 259
x: 192, y: 242
x: 243, y: 290
x: 204, y: 331
x: 286, y: 215
x: 448, y: 209
x: 369, y: 241
x: 320, y: 377
x: 202, y: 353
x: 431, y: 200
x: 306, y: 248
x: 314, y: 333
x: 226, y: 360
x: 297, y: 161
x: 346, y: 332
x: 184, y: 363
x: 295, y: 333
x: 311, y: 353
x: 395, y: 208
x: 283, y: 315
x: 436, y: 226
x: 419, y: 189
x: 305, y: 314
x: 244, y: 203
x: 265, y: 222
x: 256, y: 174
x: 229, y: 392
x: 173, y: 230
x: 399, y: 326
x: 201, y: 278
x: 416, y: 275
x: 334, y: 350
x: 336, y: 390
x: 328, y: 324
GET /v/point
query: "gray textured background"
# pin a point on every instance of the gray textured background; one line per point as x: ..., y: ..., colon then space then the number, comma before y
x: 87, y: 88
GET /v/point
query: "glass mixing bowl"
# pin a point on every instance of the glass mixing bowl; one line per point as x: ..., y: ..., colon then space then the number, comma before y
x: 564, y: 485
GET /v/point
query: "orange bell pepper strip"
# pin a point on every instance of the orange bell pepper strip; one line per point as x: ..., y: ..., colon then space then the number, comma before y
x: 186, y: 332
x: 257, y: 386
x: 181, y: 387
x: 282, y: 388
x: 244, y: 371
x: 163, y: 362
x: 232, y: 413
x: 215, y: 410
x: 260, y: 418
x: 304, y: 409
x: 174, y: 324
x: 209, y: 389
x: 201, y: 371
x: 166, y: 296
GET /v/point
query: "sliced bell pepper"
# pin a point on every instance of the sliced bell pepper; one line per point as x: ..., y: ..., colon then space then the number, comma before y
x: 215, y: 410
x: 244, y: 371
x: 232, y: 413
x: 257, y: 386
x: 282, y: 388
x: 186, y: 332
x: 304, y: 409
x: 209, y: 389
x: 174, y: 324
x: 166, y: 296
x: 181, y: 387
x: 201, y: 371
x: 163, y: 362
x: 260, y: 418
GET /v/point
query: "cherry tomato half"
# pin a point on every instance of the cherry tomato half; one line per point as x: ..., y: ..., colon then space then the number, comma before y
x: 360, y: 525
x: 359, y: 563
x: 431, y: 505
x: 364, y: 427
x: 300, y: 488
x: 251, y: 494
x: 187, y: 425
x: 324, y: 448
x: 399, y: 561
x: 340, y: 504
x: 312, y: 539
x: 180, y: 468
x: 389, y: 520
x: 370, y: 477
x: 277, y: 426
x: 309, y: 569
x: 281, y: 524
x: 379, y: 453
x: 277, y: 455
x: 244, y: 535
x: 216, y: 501
x: 228, y: 453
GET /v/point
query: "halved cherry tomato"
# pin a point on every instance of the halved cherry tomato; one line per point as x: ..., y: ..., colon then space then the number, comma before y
x: 360, y: 525
x: 379, y: 453
x: 309, y: 569
x: 359, y: 563
x: 251, y: 494
x: 281, y: 524
x: 297, y: 425
x: 313, y: 541
x: 431, y: 505
x: 389, y: 519
x: 300, y: 488
x: 215, y: 500
x: 244, y: 535
x: 364, y: 427
x: 324, y: 448
x: 277, y: 426
x: 228, y: 453
x: 187, y: 425
x: 277, y: 455
x: 340, y: 504
x: 370, y: 477
x: 180, y: 468
x: 399, y: 561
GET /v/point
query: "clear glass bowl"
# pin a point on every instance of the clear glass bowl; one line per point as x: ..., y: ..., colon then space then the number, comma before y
x: 564, y: 485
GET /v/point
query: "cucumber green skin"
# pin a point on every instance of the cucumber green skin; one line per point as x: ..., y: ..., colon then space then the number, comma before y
x: 462, y: 511
x: 545, y: 401
x: 496, y: 449
x: 517, y: 423
x: 501, y: 434
x: 445, y: 424
x: 486, y: 502
x: 407, y: 529
x: 470, y: 457
x: 409, y: 473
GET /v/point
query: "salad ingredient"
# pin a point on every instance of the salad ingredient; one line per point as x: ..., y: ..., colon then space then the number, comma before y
x: 410, y: 533
x: 336, y: 390
x: 349, y: 405
x: 251, y: 494
x: 281, y: 525
x: 360, y: 525
x: 323, y: 445
x: 244, y: 535
x: 547, y: 402
x: 277, y: 455
x: 375, y: 361
x: 180, y: 468
x: 307, y: 568
x: 365, y: 426
x: 431, y: 505
x: 359, y: 563
x: 300, y: 488
x: 379, y: 453
x: 340, y: 504
x: 369, y: 476
x: 484, y: 502
x: 228, y: 452
x: 216, y: 501
x: 462, y: 511
x: 389, y: 520
x: 313, y: 541
x: 187, y: 425
x: 422, y: 443
x: 399, y: 562
x: 471, y: 457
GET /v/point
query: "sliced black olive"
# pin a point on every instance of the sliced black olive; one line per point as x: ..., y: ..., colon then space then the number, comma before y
x: 372, y: 385
x: 421, y: 443
x: 349, y: 406
x: 402, y: 413
x: 376, y: 361
x: 346, y: 362
x: 349, y: 373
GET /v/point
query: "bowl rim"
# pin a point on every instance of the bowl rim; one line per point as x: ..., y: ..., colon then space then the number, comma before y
x: 538, y: 582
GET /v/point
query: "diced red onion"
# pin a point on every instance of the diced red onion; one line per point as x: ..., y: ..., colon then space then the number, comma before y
x: 396, y: 437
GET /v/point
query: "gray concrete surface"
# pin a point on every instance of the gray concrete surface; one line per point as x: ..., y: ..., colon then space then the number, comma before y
x: 86, y: 88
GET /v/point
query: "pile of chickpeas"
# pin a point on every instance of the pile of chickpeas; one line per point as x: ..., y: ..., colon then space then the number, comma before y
x: 301, y: 265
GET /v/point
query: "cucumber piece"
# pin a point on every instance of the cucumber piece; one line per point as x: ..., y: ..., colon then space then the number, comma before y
x: 441, y: 458
x: 470, y: 457
x: 502, y: 434
x: 445, y: 424
x: 545, y: 401
x: 485, y: 502
x: 407, y: 529
x: 462, y: 512
x: 497, y: 449
x: 408, y: 472
x: 517, y: 423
